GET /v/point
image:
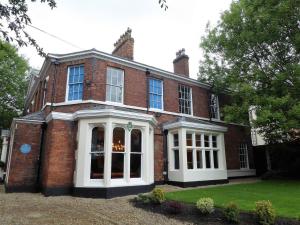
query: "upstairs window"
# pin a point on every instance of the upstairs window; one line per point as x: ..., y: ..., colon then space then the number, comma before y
x: 114, y: 85
x: 75, y: 82
x: 185, y: 99
x: 155, y: 94
x: 214, y: 107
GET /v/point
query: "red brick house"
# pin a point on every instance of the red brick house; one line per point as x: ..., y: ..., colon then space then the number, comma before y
x: 104, y: 125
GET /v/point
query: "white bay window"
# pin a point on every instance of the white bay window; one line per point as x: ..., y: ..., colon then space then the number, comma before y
x: 201, y: 152
x: 114, y: 151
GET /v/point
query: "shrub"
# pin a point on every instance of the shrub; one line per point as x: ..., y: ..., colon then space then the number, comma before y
x: 173, y: 207
x: 265, y: 212
x: 231, y: 212
x: 144, y: 198
x: 205, y: 205
x: 158, y: 195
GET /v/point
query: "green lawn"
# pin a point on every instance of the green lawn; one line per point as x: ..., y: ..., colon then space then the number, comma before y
x: 284, y: 195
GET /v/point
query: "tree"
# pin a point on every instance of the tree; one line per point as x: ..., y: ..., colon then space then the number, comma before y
x: 13, y: 21
x: 13, y: 83
x: 254, y: 51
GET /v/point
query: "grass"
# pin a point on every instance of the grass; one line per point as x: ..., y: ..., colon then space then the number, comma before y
x: 284, y: 195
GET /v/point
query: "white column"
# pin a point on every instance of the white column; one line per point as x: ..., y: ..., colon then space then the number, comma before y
x: 82, y: 159
x: 127, y: 156
x: 222, y: 156
x: 4, y: 148
x: 108, y: 150
x: 147, y: 155
x: 182, y: 152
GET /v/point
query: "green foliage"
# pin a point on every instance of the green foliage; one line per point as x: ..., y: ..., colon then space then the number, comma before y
x: 254, y: 51
x: 13, y: 83
x: 205, y: 205
x: 158, y: 195
x: 265, y: 212
x: 144, y: 198
x: 231, y: 212
x: 14, y: 13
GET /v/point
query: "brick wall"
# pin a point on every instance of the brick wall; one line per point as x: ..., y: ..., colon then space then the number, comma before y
x: 24, y: 167
x: 58, y: 157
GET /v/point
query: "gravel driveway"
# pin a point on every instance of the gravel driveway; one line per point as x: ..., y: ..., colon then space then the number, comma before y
x: 35, y: 209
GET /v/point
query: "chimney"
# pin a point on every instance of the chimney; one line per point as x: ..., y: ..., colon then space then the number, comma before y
x: 124, y: 46
x: 181, y: 63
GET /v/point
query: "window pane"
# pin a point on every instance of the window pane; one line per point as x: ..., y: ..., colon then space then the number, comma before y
x: 199, y: 160
x: 207, y: 159
x: 214, y: 141
x: 206, y: 141
x: 189, y: 158
x: 118, y: 140
x: 97, y: 166
x: 117, y: 165
x: 216, y: 160
x: 75, y: 83
x: 114, y: 85
x: 135, y: 165
x: 136, y: 140
x: 184, y: 99
x: 97, y: 139
x: 175, y: 140
x: 198, y: 140
x: 189, y: 139
x: 176, y: 159
x: 155, y: 93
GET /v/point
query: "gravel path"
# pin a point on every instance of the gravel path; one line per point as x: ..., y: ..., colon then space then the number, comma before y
x: 35, y: 209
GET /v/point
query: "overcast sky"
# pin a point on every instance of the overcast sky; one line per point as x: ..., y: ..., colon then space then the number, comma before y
x: 158, y: 34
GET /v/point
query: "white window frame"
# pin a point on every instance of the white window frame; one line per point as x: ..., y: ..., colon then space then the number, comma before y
x: 67, y: 86
x: 173, y: 149
x: 244, y: 159
x: 107, y: 84
x: 162, y: 94
x: 191, y: 99
x: 203, y: 149
x: 214, y: 107
x: 97, y: 152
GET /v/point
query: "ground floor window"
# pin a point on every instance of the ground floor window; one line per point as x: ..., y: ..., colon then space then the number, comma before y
x: 118, y: 150
x: 202, y: 147
x: 244, y: 156
x: 126, y: 153
x: 97, y: 153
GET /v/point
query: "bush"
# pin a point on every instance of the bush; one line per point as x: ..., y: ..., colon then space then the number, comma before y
x: 173, y: 207
x: 231, y: 212
x: 158, y: 195
x: 144, y: 198
x: 205, y: 205
x: 265, y: 212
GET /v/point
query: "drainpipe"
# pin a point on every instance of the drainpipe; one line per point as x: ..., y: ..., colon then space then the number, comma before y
x: 147, y: 88
x: 55, y: 62
x: 40, y: 157
x: 165, y: 155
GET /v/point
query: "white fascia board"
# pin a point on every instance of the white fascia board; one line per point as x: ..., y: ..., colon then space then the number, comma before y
x: 195, y: 126
x: 102, y: 55
x: 84, y: 114
x: 59, y: 116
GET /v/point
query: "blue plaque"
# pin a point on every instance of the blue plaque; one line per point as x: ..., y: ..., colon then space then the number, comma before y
x: 25, y: 148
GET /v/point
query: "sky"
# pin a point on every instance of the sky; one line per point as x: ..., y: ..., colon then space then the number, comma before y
x: 158, y: 34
